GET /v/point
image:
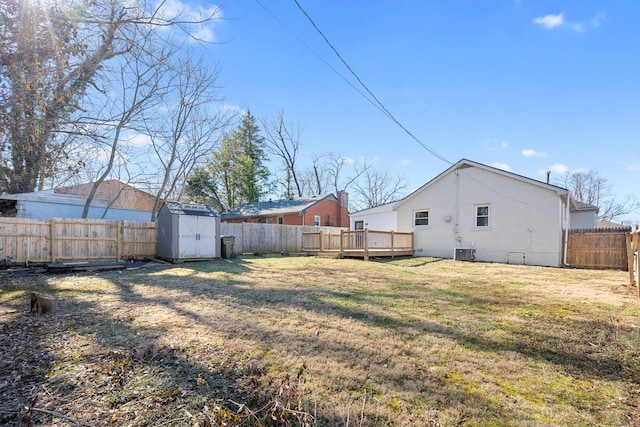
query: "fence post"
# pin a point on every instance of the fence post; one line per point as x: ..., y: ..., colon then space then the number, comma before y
x: 321, y: 242
x: 341, y: 241
x: 52, y: 233
x: 366, y: 244
x: 118, y: 240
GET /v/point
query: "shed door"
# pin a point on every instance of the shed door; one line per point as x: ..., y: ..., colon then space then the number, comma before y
x: 187, y: 236
x: 197, y: 236
x: 206, y: 237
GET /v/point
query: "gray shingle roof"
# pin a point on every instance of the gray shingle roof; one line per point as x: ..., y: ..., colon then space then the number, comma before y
x: 276, y: 207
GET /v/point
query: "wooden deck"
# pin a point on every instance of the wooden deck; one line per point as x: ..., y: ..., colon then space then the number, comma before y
x: 358, y: 244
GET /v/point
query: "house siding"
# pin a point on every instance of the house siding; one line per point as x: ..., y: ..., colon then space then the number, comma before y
x: 46, y: 210
x: 525, y: 220
x: 381, y: 218
x: 117, y: 194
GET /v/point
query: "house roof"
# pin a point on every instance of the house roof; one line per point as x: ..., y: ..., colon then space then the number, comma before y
x: 577, y: 205
x: 464, y: 163
x: 178, y: 208
x: 277, y: 207
x: 48, y: 196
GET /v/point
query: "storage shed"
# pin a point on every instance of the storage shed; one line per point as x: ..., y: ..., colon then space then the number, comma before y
x: 188, y: 232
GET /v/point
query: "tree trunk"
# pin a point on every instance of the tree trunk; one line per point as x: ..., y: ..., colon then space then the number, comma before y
x: 43, y: 303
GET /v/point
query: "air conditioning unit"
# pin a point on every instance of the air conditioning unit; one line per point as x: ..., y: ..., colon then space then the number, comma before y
x: 464, y: 254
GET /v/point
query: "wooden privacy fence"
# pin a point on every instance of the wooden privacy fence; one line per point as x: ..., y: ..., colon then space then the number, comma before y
x: 25, y: 241
x: 358, y: 243
x: 598, y: 248
x: 633, y: 255
x: 265, y: 238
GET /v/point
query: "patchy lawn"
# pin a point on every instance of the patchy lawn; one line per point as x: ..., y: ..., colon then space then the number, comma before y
x: 329, y: 342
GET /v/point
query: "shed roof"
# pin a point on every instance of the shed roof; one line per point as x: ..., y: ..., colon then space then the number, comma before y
x: 276, y: 207
x: 178, y: 208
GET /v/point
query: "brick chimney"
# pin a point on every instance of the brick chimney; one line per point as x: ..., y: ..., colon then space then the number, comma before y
x: 343, y: 214
x: 343, y: 199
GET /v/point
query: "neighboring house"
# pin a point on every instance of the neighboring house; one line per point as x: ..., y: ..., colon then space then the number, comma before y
x: 113, y: 200
x: 583, y: 215
x: 611, y: 225
x: 499, y: 215
x: 324, y: 210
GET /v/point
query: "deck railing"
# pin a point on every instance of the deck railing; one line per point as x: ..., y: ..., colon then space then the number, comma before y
x: 363, y: 243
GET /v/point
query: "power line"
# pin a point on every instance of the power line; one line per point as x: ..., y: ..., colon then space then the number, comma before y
x: 310, y: 49
x: 378, y: 102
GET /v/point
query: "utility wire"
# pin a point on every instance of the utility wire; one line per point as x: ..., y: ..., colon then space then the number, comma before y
x: 378, y: 102
x: 372, y: 102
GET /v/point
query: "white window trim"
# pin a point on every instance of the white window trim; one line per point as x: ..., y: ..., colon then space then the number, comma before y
x: 428, y: 225
x: 317, y: 220
x: 475, y: 223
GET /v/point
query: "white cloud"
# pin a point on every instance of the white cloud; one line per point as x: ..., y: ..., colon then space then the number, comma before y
x: 633, y: 167
x: 550, y: 21
x: 405, y: 162
x: 558, y: 168
x: 555, y: 21
x: 189, y: 16
x: 597, y: 20
x: 533, y: 153
x: 502, y: 166
x: 138, y: 139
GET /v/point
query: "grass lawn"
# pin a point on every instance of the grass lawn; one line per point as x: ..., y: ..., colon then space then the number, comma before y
x: 284, y: 341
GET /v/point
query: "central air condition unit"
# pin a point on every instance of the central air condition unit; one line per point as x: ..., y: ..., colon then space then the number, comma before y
x: 464, y: 254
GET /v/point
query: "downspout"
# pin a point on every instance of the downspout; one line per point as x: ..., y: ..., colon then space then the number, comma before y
x: 566, y: 231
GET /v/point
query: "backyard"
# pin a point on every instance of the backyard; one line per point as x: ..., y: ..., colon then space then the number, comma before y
x: 322, y: 342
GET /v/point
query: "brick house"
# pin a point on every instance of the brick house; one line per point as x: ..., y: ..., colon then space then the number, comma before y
x: 323, y: 210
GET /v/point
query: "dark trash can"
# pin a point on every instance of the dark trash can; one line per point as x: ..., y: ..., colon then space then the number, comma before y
x: 227, y: 246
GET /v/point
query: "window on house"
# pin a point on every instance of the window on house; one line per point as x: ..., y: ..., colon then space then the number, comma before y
x: 316, y: 220
x: 270, y: 220
x: 482, y: 216
x: 280, y: 220
x: 358, y: 225
x: 420, y: 218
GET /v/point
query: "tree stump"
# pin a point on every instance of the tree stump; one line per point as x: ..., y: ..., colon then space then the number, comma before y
x: 43, y: 303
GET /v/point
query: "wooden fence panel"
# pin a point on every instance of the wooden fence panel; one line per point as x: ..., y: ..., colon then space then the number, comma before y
x: 139, y: 239
x: 597, y: 249
x: 266, y: 238
x: 24, y: 241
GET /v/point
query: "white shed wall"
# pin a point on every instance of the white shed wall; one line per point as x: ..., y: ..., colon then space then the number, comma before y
x: 525, y: 219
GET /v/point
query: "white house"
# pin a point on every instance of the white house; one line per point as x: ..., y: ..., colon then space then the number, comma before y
x: 472, y: 209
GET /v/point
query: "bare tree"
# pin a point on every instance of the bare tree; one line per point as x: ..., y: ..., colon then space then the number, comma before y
x: 589, y: 187
x: 330, y: 173
x: 283, y: 141
x: 141, y: 87
x: 54, y: 56
x: 190, y: 130
x: 375, y: 188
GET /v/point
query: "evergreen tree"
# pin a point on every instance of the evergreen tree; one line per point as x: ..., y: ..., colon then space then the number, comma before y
x: 251, y: 160
x: 236, y: 173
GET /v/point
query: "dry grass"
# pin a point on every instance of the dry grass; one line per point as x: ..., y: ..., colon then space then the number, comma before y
x: 405, y: 342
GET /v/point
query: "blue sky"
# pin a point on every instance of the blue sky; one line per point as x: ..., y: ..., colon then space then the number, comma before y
x: 527, y: 86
